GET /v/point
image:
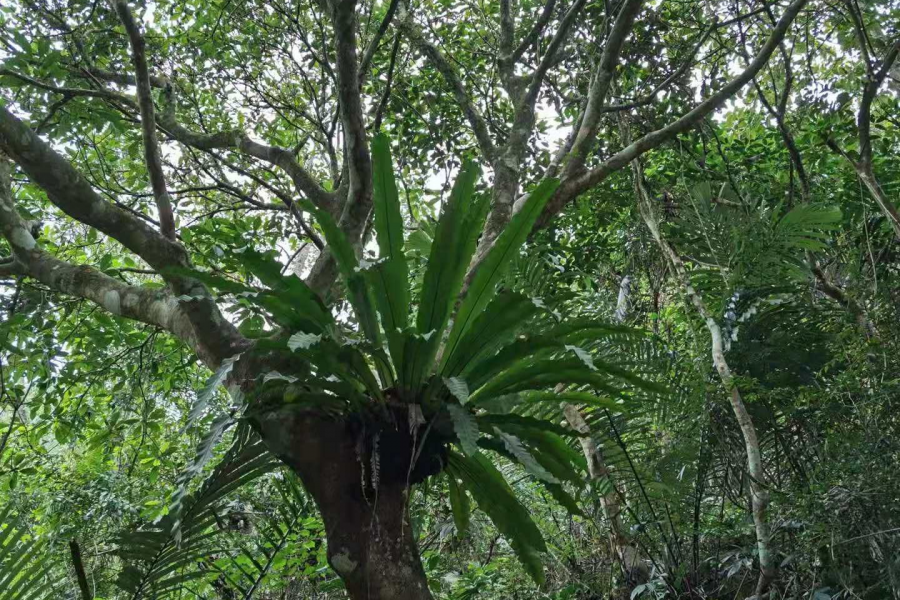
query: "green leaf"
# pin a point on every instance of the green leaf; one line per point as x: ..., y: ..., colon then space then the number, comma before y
x: 553, y: 452
x: 490, y: 419
x: 458, y: 388
x: 541, y: 375
x: 506, y: 314
x: 451, y: 251
x: 459, y: 505
x: 303, y: 341
x: 25, y: 564
x: 564, y: 498
x: 388, y: 220
x: 165, y: 555
x: 358, y: 292
x: 586, y: 398
x: 209, y: 389
x: 524, y: 457
x: 494, y: 496
x: 494, y: 265
x: 201, y: 457
x: 289, y: 288
x: 389, y: 279
x: 466, y: 428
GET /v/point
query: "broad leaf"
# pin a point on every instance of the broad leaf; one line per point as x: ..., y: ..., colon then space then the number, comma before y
x: 496, y: 498
x: 492, y: 268
x: 466, y: 428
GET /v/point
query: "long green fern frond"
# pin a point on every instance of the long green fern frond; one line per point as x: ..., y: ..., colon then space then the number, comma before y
x: 25, y: 562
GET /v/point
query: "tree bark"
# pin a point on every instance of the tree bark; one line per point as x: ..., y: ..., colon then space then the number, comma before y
x: 629, y: 557
x: 359, y: 476
x: 75, y: 549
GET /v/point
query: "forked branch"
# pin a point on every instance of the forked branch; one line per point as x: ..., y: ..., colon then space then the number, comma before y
x: 148, y: 120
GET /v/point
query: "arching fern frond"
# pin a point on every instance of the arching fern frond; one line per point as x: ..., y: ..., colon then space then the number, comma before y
x: 245, y: 567
x: 164, y: 557
x: 25, y: 562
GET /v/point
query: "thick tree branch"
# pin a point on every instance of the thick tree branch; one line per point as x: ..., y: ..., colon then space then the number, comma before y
x: 358, y: 161
x: 240, y: 141
x: 10, y: 267
x: 125, y: 78
x: 71, y: 193
x: 343, y: 15
x: 149, y: 305
x: 875, y: 76
x: 152, y: 155
x: 440, y: 62
x: 873, y: 83
x: 600, y: 84
x: 507, y: 167
x: 578, y: 184
x: 72, y: 92
x: 78, y: 564
x: 212, y: 336
x: 507, y: 28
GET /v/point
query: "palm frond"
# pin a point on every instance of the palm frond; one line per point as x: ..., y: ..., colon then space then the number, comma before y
x: 25, y: 562
x: 163, y: 557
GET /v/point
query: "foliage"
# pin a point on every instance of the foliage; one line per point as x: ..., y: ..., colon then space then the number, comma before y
x: 113, y: 433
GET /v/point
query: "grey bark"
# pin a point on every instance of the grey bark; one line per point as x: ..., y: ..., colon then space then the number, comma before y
x: 628, y: 555
x: 152, y: 156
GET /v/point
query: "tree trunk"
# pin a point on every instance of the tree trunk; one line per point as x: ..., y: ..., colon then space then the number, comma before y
x: 629, y: 557
x: 359, y: 476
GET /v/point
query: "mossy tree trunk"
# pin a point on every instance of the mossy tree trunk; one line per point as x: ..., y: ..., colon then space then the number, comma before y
x: 358, y: 474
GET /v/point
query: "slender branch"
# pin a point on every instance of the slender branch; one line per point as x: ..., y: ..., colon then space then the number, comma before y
x: 238, y: 140
x: 440, y: 62
x: 600, y: 84
x: 758, y: 491
x: 382, y: 104
x: 372, y: 48
x: 535, y: 33
x: 861, y: 36
x: 148, y: 120
x: 676, y: 74
x: 840, y: 296
x: 578, y: 184
x: 233, y: 139
x: 556, y: 44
